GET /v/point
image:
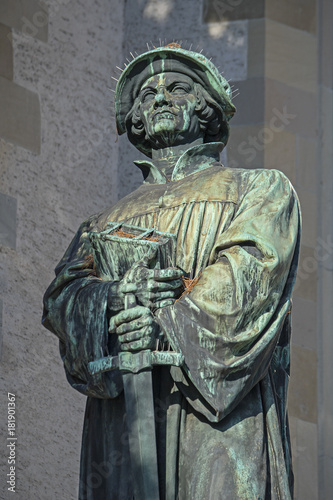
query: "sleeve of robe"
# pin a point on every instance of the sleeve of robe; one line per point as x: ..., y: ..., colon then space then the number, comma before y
x: 228, y: 327
x: 75, y: 309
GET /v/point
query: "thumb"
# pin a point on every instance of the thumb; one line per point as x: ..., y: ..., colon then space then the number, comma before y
x: 144, y: 263
x: 148, y: 258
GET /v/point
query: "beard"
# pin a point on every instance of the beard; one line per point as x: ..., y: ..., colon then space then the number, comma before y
x: 167, y: 130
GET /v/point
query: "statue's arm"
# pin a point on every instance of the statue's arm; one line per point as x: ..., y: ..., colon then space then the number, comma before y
x: 77, y: 308
x: 81, y: 309
x: 229, y: 325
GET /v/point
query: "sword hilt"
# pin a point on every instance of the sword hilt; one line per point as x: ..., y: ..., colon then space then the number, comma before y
x: 130, y: 300
x: 135, y: 362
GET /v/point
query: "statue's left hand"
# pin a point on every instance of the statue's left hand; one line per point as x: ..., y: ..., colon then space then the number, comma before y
x: 136, y: 329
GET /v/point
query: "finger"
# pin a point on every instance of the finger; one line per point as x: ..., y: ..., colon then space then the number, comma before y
x: 130, y: 337
x: 152, y: 297
x: 137, y: 345
x: 144, y: 262
x: 128, y: 288
x: 144, y: 333
x: 164, y: 303
x: 157, y: 297
x: 170, y: 273
x: 112, y: 326
x: 149, y: 274
x: 160, y: 286
x: 140, y: 275
x: 152, y: 253
x: 129, y: 315
x: 134, y: 325
x: 133, y: 346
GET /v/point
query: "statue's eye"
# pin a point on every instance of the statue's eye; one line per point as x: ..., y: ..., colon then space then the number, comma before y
x: 148, y: 95
x: 180, y: 89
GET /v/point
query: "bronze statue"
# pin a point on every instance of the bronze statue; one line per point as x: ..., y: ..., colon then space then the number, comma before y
x: 208, y: 365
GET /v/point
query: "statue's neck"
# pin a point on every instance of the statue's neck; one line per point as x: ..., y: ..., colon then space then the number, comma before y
x: 166, y: 158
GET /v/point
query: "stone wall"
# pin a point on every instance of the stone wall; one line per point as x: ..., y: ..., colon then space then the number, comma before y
x: 60, y: 162
x: 58, y: 166
x: 324, y: 248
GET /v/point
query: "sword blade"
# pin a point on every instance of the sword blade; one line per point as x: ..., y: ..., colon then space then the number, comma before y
x: 138, y: 389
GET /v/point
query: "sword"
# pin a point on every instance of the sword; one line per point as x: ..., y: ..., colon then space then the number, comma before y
x: 113, y: 256
x: 136, y: 370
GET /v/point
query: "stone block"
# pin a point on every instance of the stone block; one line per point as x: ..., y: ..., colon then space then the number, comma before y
x: 307, y: 274
x: 232, y: 10
x: 245, y: 148
x: 300, y: 14
x: 291, y: 56
x: 280, y: 152
x: 325, y: 40
x: 265, y: 145
x: 326, y: 139
x: 228, y: 48
x: 302, y: 397
x: 1, y: 316
x: 308, y: 202
x: 297, y: 108
x: 306, y: 169
x: 325, y: 375
x: 8, y: 209
x: 3, y: 279
x: 249, y: 102
x: 304, y: 323
x: 6, y: 52
x: 28, y: 16
x: 305, y: 458
x: 256, y: 48
x: 20, y: 115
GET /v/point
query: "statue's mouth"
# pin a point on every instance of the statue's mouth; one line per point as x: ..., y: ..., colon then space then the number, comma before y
x: 164, y: 115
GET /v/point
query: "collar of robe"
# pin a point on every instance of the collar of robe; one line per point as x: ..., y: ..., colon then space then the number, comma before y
x: 193, y: 160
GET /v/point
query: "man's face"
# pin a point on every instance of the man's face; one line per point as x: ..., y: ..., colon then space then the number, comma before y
x: 168, y: 110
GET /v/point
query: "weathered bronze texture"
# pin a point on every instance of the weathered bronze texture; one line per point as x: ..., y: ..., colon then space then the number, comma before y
x: 213, y: 363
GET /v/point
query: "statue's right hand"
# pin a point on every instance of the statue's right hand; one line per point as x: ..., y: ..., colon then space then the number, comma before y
x: 155, y: 288
x: 136, y: 328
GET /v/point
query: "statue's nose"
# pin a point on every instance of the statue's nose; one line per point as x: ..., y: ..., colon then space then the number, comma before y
x: 161, y: 98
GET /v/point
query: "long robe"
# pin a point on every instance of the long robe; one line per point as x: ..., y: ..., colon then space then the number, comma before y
x: 221, y: 420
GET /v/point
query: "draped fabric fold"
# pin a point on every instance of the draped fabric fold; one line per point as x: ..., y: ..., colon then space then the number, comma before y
x: 236, y: 311
x: 222, y: 424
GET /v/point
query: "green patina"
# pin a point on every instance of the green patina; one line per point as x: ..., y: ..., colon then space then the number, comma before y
x: 206, y: 375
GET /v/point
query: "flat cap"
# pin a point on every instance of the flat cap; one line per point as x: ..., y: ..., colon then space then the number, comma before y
x: 166, y: 59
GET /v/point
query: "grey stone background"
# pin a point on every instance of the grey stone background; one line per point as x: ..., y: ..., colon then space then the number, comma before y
x: 61, y: 161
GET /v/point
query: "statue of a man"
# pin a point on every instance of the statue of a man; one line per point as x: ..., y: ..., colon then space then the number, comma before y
x: 221, y: 423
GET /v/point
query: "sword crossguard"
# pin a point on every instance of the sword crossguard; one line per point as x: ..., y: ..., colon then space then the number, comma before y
x: 135, y: 362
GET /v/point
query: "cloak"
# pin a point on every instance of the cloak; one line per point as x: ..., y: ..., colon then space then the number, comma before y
x: 221, y: 420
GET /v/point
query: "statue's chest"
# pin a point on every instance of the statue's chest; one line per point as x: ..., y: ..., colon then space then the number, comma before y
x: 210, y: 186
